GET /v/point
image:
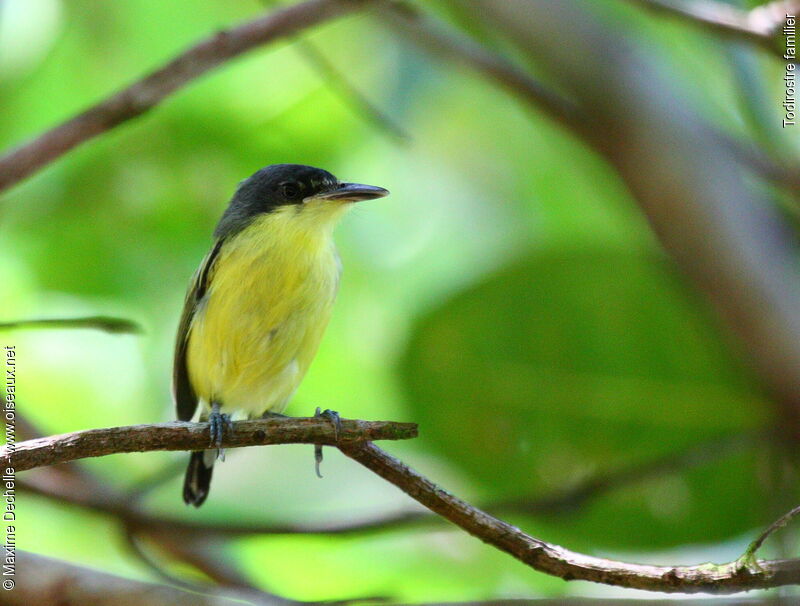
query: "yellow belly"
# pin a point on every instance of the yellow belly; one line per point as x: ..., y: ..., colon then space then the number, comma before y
x: 258, y: 328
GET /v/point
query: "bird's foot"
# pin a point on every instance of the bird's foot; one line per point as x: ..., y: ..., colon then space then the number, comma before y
x: 334, y: 418
x: 218, y: 424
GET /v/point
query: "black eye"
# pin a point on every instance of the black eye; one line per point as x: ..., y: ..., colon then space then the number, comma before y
x: 290, y: 190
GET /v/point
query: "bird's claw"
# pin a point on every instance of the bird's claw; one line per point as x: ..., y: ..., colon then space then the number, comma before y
x: 218, y: 424
x: 336, y: 420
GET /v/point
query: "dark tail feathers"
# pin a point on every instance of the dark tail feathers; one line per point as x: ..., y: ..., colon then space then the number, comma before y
x: 198, y: 479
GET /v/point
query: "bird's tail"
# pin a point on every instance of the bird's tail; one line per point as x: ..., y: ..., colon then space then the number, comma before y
x: 198, y: 477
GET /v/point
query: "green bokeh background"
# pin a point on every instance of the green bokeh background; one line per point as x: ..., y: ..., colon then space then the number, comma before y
x: 508, y: 296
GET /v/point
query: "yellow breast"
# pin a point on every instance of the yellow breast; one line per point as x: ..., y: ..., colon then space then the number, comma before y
x: 258, y: 328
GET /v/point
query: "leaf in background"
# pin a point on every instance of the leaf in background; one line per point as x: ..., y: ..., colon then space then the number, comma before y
x: 574, y: 363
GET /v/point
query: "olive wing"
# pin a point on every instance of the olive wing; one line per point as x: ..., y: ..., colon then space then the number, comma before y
x: 182, y: 390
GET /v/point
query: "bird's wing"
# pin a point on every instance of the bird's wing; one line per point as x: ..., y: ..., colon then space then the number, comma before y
x: 183, y: 392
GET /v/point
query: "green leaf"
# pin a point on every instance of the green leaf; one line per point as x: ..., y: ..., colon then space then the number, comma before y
x: 574, y: 363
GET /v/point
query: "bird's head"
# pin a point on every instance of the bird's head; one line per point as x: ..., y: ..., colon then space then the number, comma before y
x: 309, y: 196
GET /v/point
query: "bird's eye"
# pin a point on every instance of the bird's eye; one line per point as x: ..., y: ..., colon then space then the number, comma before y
x: 290, y: 190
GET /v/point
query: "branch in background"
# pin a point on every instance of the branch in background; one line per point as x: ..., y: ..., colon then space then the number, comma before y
x: 752, y: 156
x: 578, y: 495
x: 338, y: 82
x: 362, y: 106
x: 722, y: 232
x: 67, y: 476
x: 542, y: 556
x: 145, y: 94
x: 424, y: 31
x: 154, y: 88
x: 124, y: 507
x: 761, y: 25
x: 43, y: 581
x: 194, y: 436
x: 205, y: 557
x: 74, y: 479
x: 441, y: 41
x: 560, y: 562
x: 104, y: 323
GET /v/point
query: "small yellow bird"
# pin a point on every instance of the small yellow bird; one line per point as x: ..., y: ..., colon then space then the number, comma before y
x: 259, y: 303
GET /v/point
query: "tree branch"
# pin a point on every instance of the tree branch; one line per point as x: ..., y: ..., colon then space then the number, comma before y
x: 568, y: 565
x: 42, y: 581
x: 148, y: 92
x: 719, y: 229
x: 427, y: 33
x: 209, y: 559
x: 538, y: 554
x: 125, y: 508
x: 430, y: 35
x: 104, y: 323
x: 194, y: 436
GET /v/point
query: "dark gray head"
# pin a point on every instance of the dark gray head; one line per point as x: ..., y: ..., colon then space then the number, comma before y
x: 281, y: 185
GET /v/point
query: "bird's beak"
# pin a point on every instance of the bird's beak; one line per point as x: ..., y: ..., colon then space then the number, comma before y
x: 351, y: 192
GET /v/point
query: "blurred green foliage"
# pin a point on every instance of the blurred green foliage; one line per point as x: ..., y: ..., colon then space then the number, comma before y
x: 507, y: 296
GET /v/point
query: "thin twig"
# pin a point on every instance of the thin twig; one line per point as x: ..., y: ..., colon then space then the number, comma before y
x: 148, y: 92
x: 560, y: 562
x: 104, y: 323
x: 209, y: 563
x: 575, y: 497
x: 194, y: 436
x: 362, y: 106
x: 134, y: 543
x: 43, y: 581
x: 429, y: 34
x: 348, y: 92
x: 782, y: 521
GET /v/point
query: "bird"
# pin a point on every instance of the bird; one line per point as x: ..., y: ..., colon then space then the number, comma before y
x: 258, y: 305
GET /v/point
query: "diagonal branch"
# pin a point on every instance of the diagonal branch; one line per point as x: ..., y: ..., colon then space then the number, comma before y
x: 750, y: 552
x: 338, y: 82
x: 424, y: 31
x: 568, y: 565
x: 148, y: 92
x: 205, y: 557
x: 194, y: 436
x: 43, y: 581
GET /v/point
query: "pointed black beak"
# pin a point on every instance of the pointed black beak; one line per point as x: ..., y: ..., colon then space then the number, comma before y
x: 351, y: 192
